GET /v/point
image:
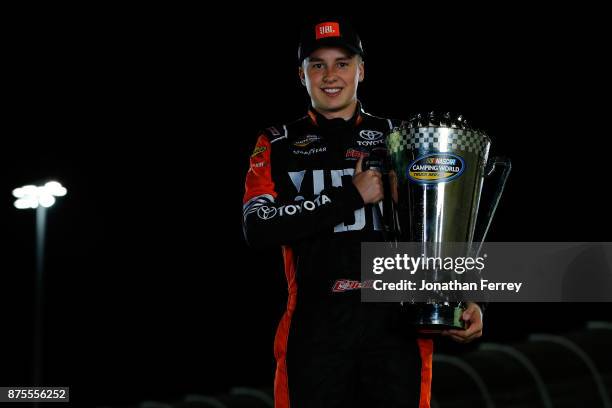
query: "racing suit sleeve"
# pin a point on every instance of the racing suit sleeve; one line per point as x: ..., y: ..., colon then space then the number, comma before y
x: 269, y: 222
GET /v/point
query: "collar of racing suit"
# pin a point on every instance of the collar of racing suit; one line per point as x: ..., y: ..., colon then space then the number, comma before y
x: 321, y: 121
x: 338, y: 134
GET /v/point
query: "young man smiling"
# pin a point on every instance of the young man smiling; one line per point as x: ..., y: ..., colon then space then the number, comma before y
x: 335, y: 95
x: 306, y: 191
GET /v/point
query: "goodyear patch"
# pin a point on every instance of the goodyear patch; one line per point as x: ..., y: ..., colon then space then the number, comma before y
x: 258, y: 150
x: 435, y: 168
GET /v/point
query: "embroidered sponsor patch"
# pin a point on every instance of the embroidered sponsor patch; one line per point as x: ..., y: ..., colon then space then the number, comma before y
x: 258, y: 150
x: 306, y: 140
x: 314, y: 150
x: 355, y: 154
x: 342, y: 285
x: 327, y: 29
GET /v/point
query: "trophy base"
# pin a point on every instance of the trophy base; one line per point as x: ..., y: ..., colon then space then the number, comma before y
x: 433, y: 318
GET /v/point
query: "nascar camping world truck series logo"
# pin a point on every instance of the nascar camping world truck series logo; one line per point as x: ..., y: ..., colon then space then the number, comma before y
x: 436, y: 168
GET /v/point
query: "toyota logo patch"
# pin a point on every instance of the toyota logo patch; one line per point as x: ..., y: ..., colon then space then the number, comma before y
x: 265, y: 213
x: 370, y: 134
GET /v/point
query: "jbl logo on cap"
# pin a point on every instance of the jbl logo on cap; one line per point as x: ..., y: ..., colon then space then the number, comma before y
x: 329, y: 29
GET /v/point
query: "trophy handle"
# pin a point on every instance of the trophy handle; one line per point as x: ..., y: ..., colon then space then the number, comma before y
x: 488, y: 210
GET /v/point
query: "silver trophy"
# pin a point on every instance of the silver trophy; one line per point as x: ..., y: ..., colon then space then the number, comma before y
x: 437, y: 166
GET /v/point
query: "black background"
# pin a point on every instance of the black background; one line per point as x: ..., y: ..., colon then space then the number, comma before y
x: 149, y: 118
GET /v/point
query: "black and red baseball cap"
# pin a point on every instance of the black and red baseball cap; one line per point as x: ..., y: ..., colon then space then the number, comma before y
x: 328, y: 32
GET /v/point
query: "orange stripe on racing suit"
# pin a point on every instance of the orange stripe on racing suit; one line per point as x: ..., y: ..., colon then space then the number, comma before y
x: 426, y: 351
x: 281, y: 381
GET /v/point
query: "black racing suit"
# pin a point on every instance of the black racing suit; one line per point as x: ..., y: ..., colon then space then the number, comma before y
x: 331, y: 349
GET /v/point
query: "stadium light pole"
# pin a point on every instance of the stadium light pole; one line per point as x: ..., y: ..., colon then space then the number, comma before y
x: 39, y: 198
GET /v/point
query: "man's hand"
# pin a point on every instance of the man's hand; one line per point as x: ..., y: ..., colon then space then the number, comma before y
x: 368, y: 183
x: 473, y: 316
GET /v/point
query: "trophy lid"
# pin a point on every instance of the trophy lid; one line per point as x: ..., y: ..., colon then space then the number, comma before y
x: 440, y: 119
x: 432, y: 129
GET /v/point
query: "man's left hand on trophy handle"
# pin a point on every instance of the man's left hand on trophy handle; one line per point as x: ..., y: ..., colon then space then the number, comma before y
x: 472, y: 315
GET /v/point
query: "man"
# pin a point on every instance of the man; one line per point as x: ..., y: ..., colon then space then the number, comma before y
x: 306, y: 191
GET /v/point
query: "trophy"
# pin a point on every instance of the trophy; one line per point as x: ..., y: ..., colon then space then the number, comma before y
x: 438, y: 171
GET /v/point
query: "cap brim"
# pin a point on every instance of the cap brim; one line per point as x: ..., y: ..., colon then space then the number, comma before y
x: 330, y: 42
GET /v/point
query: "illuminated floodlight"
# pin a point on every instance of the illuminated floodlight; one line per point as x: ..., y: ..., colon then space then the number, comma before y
x: 31, y: 196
